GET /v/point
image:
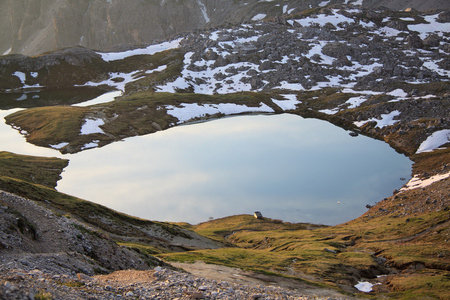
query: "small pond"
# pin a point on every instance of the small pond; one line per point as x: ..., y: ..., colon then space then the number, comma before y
x: 287, y: 167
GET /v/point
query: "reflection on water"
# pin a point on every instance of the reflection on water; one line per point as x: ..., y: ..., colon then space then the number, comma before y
x: 37, y: 98
x: 11, y: 140
x: 285, y: 166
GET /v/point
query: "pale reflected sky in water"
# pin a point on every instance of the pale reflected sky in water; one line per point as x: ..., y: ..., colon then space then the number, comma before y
x: 11, y: 140
x: 285, y: 166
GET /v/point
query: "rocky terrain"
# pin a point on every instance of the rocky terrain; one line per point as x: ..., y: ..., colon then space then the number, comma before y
x: 329, y: 63
x: 160, y: 283
x: 378, y: 72
x: 33, y: 27
x: 45, y: 254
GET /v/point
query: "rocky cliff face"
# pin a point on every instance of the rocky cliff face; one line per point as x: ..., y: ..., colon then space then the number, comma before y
x: 35, y: 26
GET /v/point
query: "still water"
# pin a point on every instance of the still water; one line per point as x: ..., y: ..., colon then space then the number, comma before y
x: 287, y: 167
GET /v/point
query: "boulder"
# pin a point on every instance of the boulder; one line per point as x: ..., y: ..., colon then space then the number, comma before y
x: 433, y: 40
x: 414, y: 41
x: 337, y: 49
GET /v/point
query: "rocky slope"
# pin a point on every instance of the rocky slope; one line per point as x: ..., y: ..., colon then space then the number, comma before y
x: 32, y: 26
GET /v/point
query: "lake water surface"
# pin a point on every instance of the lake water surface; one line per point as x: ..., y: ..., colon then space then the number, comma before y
x: 287, y: 167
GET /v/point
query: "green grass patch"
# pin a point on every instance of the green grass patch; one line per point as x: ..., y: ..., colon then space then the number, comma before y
x: 235, y: 257
x: 49, y: 125
x: 426, y: 284
x: 143, y: 248
x: 220, y: 228
x: 40, y: 170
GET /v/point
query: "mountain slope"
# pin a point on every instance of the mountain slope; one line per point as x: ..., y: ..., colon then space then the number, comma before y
x: 381, y: 73
x: 33, y: 26
x: 329, y: 63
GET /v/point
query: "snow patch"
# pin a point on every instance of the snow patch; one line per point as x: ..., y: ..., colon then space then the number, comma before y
x: 258, y: 17
x: 416, y: 182
x: 330, y: 111
x: 90, y: 145
x: 432, y: 27
x: 92, y: 126
x: 150, y: 50
x: 355, y: 101
x: 317, y: 49
x: 7, y: 51
x: 322, y: 19
x: 23, y: 97
x: 434, y: 141
x: 284, y: 85
x: 188, y: 111
x: 107, y: 97
x: 205, y: 82
x: 59, y: 146
x: 386, y: 120
x: 127, y: 78
x: 398, y: 93
x: 21, y: 76
x: 388, y: 31
x: 365, y: 286
x: 289, y: 104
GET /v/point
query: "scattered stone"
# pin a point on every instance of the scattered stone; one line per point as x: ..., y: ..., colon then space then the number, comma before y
x: 329, y: 250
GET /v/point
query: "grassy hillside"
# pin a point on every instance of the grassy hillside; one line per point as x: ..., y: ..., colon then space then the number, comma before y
x: 412, y: 249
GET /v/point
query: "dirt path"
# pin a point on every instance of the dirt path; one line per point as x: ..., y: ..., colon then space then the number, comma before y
x: 239, y: 276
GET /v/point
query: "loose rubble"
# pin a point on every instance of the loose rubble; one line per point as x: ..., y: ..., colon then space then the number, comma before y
x: 160, y: 283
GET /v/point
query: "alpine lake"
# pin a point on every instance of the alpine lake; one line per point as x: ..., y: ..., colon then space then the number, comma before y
x: 287, y: 167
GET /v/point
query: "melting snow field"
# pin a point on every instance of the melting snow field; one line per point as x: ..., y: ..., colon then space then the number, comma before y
x: 416, y: 182
x: 435, y: 140
x: 432, y: 27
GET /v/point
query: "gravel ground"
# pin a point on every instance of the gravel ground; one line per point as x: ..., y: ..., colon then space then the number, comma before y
x: 159, y: 283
